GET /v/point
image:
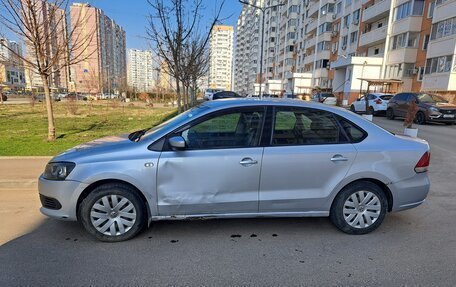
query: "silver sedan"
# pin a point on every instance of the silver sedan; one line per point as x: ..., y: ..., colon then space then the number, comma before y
x: 239, y: 158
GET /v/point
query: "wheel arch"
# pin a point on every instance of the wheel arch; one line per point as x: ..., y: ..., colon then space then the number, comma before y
x: 379, y: 183
x: 101, y: 182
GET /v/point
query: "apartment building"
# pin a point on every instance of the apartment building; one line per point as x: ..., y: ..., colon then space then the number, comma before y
x: 247, y: 51
x: 338, y: 43
x: 221, y: 57
x: 54, y: 24
x: 12, y: 74
x: 104, y: 68
x: 142, y: 70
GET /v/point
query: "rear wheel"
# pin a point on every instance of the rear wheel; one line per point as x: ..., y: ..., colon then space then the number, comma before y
x: 390, y: 114
x: 420, y: 118
x: 359, y: 208
x: 113, y: 212
x: 352, y: 108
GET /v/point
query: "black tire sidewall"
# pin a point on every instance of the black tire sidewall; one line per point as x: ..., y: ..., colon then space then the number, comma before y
x: 336, y: 213
x: 390, y: 114
x: 420, y: 115
x: 111, y: 189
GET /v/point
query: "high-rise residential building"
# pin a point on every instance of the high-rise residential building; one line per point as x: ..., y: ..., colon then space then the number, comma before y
x: 142, y: 70
x: 221, y: 57
x: 11, y: 68
x: 246, y: 67
x: 54, y: 25
x: 410, y: 45
x: 104, y: 68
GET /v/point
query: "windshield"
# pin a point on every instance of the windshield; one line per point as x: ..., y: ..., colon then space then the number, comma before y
x: 430, y: 98
x: 177, y: 120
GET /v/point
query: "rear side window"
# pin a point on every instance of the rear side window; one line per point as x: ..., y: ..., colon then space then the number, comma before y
x: 354, y: 133
x: 302, y: 126
x: 400, y: 97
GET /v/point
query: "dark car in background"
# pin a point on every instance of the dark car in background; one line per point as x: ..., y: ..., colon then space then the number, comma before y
x: 4, y: 97
x: 225, y: 95
x: 432, y: 108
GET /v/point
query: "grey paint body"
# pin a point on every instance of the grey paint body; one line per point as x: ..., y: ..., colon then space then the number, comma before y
x: 284, y: 181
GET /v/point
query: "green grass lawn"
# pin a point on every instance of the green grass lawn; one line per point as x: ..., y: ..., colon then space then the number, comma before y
x: 23, y: 128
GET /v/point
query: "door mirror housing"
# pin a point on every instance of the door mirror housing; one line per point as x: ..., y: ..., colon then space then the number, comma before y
x: 177, y: 143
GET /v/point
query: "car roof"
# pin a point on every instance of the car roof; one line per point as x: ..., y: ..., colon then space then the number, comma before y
x: 248, y: 102
x: 381, y: 94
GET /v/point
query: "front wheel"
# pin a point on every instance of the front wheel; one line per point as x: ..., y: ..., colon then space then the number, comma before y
x: 359, y: 208
x: 113, y: 212
x: 420, y: 118
x: 352, y: 108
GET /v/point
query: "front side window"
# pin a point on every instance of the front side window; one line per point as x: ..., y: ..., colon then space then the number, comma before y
x: 306, y: 127
x: 230, y: 130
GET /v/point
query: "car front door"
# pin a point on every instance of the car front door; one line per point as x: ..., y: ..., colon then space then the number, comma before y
x: 402, y: 105
x: 308, y: 156
x: 360, y: 104
x: 218, y: 171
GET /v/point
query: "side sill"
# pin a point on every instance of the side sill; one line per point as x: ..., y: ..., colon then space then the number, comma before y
x: 242, y: 215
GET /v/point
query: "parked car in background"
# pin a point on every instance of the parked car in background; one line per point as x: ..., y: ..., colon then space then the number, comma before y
x: 4, y: 97
x: 76, y: 97
x: 225, y: 95
x: 208, y: 93
x: 432, y: 108
x: 326, y: 98
x: 377, y: 102
x: 239, y: 158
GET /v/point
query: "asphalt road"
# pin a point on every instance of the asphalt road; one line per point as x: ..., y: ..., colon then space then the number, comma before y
x: 414, y: 248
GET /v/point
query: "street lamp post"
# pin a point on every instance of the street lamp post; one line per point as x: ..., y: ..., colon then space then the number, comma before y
x: 263, y: 9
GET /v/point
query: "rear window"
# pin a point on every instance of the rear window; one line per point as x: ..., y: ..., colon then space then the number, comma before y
x: 386, y: 97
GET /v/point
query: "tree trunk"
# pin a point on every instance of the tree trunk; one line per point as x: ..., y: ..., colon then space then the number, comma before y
x: 179, y: 106
x: 50, y: 112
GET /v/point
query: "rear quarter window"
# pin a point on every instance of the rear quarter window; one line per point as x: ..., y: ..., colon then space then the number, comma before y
x: 354, y: 133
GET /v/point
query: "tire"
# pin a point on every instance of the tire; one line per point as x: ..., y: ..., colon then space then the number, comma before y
x: 352, y: 108
x: 420, y: 118
x: 121, y: 223
x: 390, y: 114
x: 353, y: 218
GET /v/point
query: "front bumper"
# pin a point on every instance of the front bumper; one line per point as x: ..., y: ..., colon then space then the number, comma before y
x: 411, y: 192
x: 66, y: 192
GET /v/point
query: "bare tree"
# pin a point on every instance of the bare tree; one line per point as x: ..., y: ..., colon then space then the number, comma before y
x: 2, y: 78
x: 51, y: 46
x: 170, y: 29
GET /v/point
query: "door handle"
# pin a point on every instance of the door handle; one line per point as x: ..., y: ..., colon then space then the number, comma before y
x: 338, y: 157
x: 247, y: 161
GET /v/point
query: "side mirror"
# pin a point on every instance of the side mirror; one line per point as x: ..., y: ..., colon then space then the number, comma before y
x: 177, y: 143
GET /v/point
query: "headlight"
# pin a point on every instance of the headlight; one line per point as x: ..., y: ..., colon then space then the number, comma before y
x: 58, y: 170
x: 434, y: 110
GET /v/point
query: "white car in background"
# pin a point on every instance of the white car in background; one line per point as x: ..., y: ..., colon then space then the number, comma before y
x: 208, y: 93
x: 326, y: 98
x: 378, y: 103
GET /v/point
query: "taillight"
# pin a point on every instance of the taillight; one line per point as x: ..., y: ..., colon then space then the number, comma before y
x: 423, y: 163
x: 378, y: 101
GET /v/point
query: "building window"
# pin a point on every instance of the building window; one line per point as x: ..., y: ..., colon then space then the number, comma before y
x: 443, y: 28
x: 420, y: 74
x: 404, y: 40
x: 346, y: 21
x: 425, y: 42
x: 344, y: 40
x: 356, y: 17
x: 376, y: 51
x: 353, y: 37
x: 431, y: 7
x: 438, y: 64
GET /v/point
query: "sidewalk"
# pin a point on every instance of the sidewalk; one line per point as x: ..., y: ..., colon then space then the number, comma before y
x: 21, y: 172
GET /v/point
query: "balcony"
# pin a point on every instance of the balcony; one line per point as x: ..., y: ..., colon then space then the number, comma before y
x: 377, y: 11
x: 320, y: 73
x: 409, y: 24
x: 444, y: 11
x: 373, y: 37
x: 312, y: 26
x: 310, y: 42
x: 309, y: 59
x: 403, y: 55
x: 323, y: 55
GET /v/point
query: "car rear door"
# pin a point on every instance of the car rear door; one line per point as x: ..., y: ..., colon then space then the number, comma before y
x: 307, y: 157
x: 218, y: 171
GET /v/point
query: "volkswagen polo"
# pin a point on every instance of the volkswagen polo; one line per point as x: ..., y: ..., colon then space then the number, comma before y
x: 239, y: 158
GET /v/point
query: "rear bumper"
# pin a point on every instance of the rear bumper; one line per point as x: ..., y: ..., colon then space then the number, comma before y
x: 411, y: 192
